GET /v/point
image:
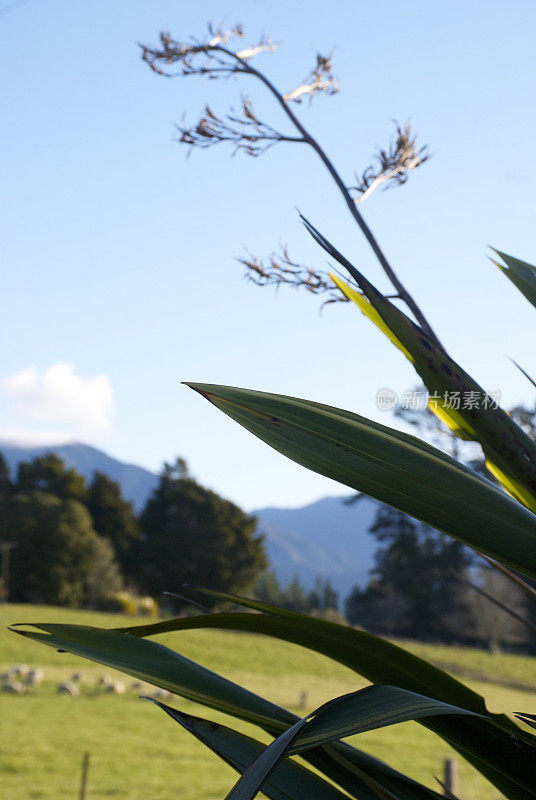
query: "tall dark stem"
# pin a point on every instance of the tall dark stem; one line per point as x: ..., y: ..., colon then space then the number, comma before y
x: 354, y: 211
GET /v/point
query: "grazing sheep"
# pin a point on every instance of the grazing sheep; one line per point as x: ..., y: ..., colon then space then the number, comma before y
x: 34, y: 677
x: 20, y: 670
x: 115, y: 687
x: 68, y: 688
x: 13, y: 687
x: 103, y: 682
x: 160, y: 694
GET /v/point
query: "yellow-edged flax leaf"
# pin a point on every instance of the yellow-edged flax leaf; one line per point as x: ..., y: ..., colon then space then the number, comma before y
x: 420, y: 359
x: 457, y: 399
x: 453, y: 420
x: 512, y: 486
x: 369, y: 311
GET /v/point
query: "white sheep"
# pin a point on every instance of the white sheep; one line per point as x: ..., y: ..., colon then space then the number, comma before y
x: 20, y: 670
x: 115, y: 687
x: 160, y: 694
x: 68, y: 688
x: 13, y: 687
x: 34, y: 677
x: 104, y: 681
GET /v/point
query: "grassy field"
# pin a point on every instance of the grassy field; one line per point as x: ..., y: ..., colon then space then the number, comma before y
x: 138, y: 753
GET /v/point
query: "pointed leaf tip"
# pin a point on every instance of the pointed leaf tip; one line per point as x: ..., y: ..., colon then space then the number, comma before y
x: 199, y: 388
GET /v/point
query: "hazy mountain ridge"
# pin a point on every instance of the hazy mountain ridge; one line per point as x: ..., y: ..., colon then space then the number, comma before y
x: 136, y: 482
x: 327, y: 538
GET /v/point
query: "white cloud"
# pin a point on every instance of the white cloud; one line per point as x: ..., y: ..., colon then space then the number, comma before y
x: 58, y: 395
x: 21, y: 437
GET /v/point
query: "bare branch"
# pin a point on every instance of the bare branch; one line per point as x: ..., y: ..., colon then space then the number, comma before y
x: 279, y: 270
x: 513, y: 576
x: 219, y: 36
x: 220, y: 61
x: 243, y: 129
x: 209, y: 57
x: 510, y: 611
x: 320, y: 80
x: 264, y: 46
x: 392, y: 167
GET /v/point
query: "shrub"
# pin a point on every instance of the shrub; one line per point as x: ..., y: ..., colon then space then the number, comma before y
x: 58, y: 558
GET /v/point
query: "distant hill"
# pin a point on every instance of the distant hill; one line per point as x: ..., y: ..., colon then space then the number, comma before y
x: 327, y: 538
x: 136, y: 483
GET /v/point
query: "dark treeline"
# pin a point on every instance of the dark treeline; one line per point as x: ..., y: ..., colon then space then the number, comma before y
x: 76, y: 543
x: 79, y: 544
x: 420, y: 588
x: 321, y: 600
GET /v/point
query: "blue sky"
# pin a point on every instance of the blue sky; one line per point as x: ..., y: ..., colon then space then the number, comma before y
x: 119, y: 273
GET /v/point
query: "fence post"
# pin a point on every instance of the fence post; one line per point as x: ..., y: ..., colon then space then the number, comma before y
x: 83, y: 778
x: 450, y: 774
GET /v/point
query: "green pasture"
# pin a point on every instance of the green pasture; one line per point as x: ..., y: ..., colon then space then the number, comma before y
x: 137, y: 753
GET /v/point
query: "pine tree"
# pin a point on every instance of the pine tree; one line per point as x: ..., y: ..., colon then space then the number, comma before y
x: 192, y: 535
x: 414, y: 591
x: 49, y: 474
x: 6, y: 486
x: 59, y: 558
x: 113, y: 518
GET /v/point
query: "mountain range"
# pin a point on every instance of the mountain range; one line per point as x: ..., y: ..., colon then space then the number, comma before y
x: 136, y: 483
x: 328, y: 538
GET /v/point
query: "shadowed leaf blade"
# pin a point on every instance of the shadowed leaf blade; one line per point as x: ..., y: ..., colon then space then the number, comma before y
x: 364, y: 710
x: 522, y: 275
x: 391, y: 466
x: 497, y: 747
x: 289, y: 780
x: 160, y: 666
